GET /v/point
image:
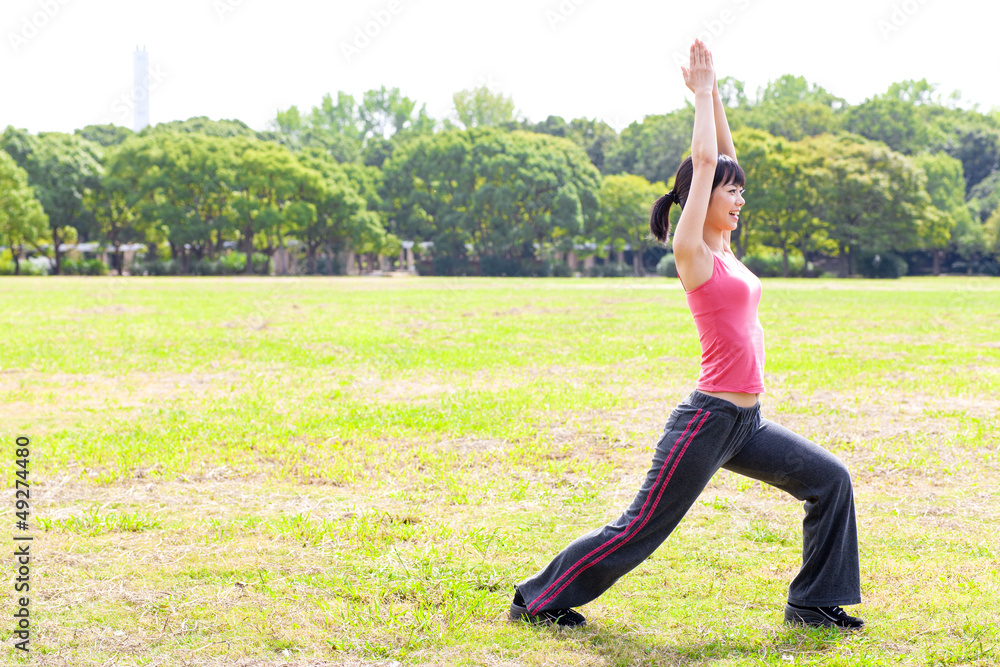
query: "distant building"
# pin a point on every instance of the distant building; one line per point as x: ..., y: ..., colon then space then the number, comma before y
x: 140, y: 89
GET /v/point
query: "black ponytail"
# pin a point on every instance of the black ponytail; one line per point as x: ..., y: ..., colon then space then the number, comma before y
x: 659, y: 218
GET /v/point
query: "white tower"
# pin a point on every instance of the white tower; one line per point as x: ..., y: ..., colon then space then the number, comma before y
x: 140, y: 89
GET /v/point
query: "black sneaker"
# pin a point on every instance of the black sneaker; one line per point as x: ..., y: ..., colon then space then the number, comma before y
x: 563, y: 618
x: 817, y: 617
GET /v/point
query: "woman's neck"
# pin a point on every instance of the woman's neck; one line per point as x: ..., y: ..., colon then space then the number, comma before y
x: 719, y: 244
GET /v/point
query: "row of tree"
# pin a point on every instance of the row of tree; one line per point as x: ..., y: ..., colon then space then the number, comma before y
x: 906, y: 171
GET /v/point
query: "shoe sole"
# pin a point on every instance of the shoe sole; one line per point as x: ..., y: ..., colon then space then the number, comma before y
x: 812, y: 619
x: 519, y: 614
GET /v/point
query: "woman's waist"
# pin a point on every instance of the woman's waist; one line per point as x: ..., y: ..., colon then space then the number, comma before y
x: 742, y: 399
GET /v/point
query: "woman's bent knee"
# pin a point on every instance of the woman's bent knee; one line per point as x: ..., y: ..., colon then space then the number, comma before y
x: 838, y: 477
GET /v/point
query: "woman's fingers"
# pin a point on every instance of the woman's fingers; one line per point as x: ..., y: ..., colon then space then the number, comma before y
x: 704, y: 56
x: 700, y: 66
x: 700, y: 55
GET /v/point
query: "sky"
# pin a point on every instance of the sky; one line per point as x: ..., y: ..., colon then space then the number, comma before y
x: 65, y: 64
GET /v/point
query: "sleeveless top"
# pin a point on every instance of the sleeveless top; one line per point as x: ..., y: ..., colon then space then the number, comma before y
x: 732, y: 339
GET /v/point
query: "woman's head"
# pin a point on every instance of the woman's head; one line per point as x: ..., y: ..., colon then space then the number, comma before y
x: 727, y: 171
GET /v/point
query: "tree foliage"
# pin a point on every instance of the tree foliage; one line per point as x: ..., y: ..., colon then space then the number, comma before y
x: 105, y: 135
x: 22, y: 219
x: 349, y: 130
x: 198, y: 191
x: 783, y: 201
x: 482, y: 107
x: 654, y: 147
x: 906, y: 171
x: 60, y: 168
x: 624, y: 218
x: 873, y: 197
x: 498, y: 193
x: 595, y: 137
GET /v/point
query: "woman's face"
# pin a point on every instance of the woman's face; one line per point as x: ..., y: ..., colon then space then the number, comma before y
x: 724, y: 206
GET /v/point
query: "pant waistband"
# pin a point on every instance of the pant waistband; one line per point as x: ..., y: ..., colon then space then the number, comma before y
x: 720, y: 405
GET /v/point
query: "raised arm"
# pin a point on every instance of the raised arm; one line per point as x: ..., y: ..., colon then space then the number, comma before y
x: 694, y: 259
x: 722, y: 133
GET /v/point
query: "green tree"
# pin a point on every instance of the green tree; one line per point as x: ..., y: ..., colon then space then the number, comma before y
x: 343, y: 219
x: 874, y: 198
x: 22, y: 219
x: 502, y: 193
x: 946, y: 187
x: 782, y: 200
x: 330, y: 127
x: 349, y: 130
x: 991, y: 233
x: 970, y: 241
x: 339, y: 117
x: 179, y: 185
x: 789, y: 88
x: 895, y: 122
x: 482, y: 107
x: 105, y: 135
x: 375, y: 230
x: 733, y: 94
x: 386, y: 112
x: 979, y: 150
x: 113, y: 206
x: 555, y: 126
x: 267, y: 180
x: 595, y: 137
x: 984, y: 197
x: 626, y: 200
x: 654, y: 147
x: 973, y: 138
x: 792, y: 108
x: 204, y: 125
x: 60, y: 167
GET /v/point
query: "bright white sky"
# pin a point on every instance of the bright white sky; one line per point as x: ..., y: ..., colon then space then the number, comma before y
x: 610, y: 59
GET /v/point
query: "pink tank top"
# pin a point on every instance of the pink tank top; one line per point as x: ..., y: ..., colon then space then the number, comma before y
x: 732, y: 340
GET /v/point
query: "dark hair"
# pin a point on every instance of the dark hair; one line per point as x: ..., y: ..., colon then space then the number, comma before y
x: 727, y: 171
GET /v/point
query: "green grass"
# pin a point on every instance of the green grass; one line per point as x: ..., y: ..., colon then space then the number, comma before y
x: 356, y: 471
x: 93, y: 522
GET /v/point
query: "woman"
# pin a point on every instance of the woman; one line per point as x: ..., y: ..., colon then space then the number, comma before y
x: 719, y: 424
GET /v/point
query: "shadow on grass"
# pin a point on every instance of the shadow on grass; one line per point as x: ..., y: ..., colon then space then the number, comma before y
x: 620, y: 645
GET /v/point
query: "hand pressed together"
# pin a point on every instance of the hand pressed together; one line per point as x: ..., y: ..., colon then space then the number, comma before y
x: 699, y: 76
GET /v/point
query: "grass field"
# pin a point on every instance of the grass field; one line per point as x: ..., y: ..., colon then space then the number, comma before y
x: 356, y: 471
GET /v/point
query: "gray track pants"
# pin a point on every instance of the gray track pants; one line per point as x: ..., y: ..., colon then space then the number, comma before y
x: 703, y: 434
